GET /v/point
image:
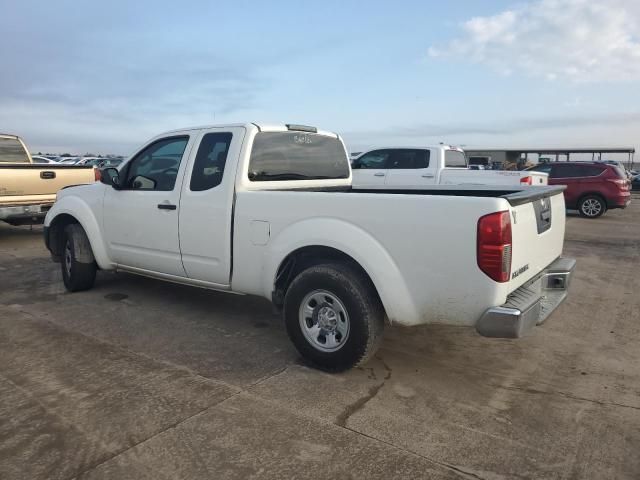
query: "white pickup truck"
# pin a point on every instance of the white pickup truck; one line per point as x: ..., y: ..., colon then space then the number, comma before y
x: 269, y: 210
x: 419, y: 167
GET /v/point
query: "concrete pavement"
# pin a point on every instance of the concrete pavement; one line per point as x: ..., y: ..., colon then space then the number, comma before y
x: 143, y: 379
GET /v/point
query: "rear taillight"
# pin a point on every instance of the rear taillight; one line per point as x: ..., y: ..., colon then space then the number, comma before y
x: 622, y: 184
x: 97, y: 174
x: 526, y: 181
x: 494, y: 245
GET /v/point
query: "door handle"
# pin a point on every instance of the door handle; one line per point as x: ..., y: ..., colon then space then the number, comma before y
x: 428, y: 175
x: 166, y: 206
x: 47, y: 175
x: 379, y: 174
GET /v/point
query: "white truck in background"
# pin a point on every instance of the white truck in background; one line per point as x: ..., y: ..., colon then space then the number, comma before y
x: 419, y: 167
x: 269, y: 210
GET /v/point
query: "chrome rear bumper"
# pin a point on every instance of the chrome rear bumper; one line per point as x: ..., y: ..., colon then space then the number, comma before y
x: 19, y: 214
x: 529, y: 305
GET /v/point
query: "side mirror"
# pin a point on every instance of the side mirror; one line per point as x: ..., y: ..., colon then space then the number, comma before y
x: 110, y: 176
x: 355, y: 164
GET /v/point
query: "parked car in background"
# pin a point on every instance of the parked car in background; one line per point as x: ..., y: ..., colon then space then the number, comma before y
x: 92, y: 161
x: 41, y: 159
x: 592, y: 187
x: 635, y: 182
x: 403, y: 167
x: 110, y: 162
x: 68, y: 160
x: 28, y: 189
x: 269, y: 210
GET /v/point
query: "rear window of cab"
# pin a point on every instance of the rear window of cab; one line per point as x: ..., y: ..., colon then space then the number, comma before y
x: 12, y: 151
x: 295, y: 155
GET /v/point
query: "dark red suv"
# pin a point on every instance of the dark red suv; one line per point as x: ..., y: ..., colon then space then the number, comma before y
x: 592, y: 187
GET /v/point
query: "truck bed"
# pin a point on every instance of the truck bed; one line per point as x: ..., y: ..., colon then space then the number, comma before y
x: 27, y: 183
x: 28, y: 190
x: 516, y: 195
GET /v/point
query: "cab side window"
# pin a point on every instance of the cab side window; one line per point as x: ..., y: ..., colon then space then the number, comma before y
x: 372, y: 160
x: 210, y: 161
x: 409, y: 159
x: 565, y: 171
x: 575, y: 171
x: 156, y: 167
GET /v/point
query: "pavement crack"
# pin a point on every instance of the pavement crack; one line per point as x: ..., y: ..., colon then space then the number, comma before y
x: 352, y: 408
x: 566, y: 395
x: 386, y: 367
x: 268, y: 377
x: 459, y: 471
x: 38, y: 317
x: 156, y: 434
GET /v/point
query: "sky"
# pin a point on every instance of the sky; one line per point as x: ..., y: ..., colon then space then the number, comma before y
x: 103, y: 77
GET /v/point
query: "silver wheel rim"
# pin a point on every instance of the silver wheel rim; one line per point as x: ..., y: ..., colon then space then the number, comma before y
x: 67, y: 258
x: 324, y: 321
x: 591, y: 207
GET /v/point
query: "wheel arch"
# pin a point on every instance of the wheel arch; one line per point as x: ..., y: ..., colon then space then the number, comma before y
x: 592, y: 194
x: 305, y: 244
x: 308, y: 256
x: 70, y: 210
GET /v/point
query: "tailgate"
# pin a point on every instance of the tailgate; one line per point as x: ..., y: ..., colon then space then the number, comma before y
x: 537, y: 225
x: 32, y: 181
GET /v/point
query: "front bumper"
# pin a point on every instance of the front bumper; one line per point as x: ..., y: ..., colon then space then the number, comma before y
x: 529, y: 305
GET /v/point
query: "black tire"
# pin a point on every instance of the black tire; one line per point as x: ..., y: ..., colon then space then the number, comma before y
x: 592, y: 206
x: 76, y: 275
x: 357, y: 300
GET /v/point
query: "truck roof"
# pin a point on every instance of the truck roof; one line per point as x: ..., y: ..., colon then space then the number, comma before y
x: 264, y: 127
x: 413, y: 147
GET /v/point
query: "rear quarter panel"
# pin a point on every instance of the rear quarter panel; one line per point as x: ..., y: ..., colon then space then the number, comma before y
x: 419, y: 250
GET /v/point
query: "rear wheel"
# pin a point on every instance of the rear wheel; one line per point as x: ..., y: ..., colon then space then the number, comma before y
x: 334, y: 316
x: 592, y: 206
x: 77, y: 275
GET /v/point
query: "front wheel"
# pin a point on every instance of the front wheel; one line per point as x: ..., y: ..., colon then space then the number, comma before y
x: 333, y: 316
x: 592, y: 206
x: 78, y: 266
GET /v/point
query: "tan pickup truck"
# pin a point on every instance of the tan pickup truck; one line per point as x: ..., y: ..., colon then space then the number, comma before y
x: 27, y: 189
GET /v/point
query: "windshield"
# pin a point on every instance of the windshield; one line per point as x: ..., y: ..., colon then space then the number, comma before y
x: 297, y: 156
x: 12, y: 151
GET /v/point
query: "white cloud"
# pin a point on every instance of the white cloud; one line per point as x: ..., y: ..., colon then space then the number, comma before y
x: 578, y: 40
